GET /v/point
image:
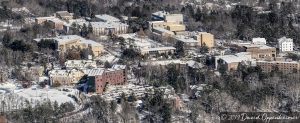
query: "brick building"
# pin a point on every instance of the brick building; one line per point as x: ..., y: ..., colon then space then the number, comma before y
x: 285, y: 66
x: 259, y: 51
x: 97, y: 79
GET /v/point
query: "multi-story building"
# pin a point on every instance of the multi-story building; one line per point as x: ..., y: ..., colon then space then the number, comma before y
x: 158, y: 50
x: 54, y: 22
x: 172, y: 26
x: 65, y: 77
x: 285, y: 44
x: 97, y: 79
x: 206, y: 39
x: 285, y: 66
x: 163, y: 32
x: 80, y: 64
x: 232, y: 62
x: 259, y: 51
x: 106, y: 28
x: 41, y: 20
x: 172, y: 22
x: 65, y: 15
x: 189, y: 43
x: 178, y: 18
x: 73, y: 41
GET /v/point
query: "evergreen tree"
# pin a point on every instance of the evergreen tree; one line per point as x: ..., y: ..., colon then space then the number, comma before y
x: 90, y: 29
x: 107, y: 64
x: 84, y: 31
x: 6, y: 40
x: 74, y: 29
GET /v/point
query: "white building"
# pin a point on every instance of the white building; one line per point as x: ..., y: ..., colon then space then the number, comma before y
x: 105, y: 28
x: 158, y: 50
x: 259, y: 41
x: 285, y: 44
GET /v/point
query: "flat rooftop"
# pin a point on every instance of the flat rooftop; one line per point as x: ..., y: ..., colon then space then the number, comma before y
x: 163, y: 30
x: 94, y: 72
x: 104, y: 24
x: 247, y: 45
x: 160, y: 49
x: 185, y: 39
x: 107, y: 18
x: 239, y: 57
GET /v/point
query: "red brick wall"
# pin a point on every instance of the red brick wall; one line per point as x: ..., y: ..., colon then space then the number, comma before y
x: 117, y: 77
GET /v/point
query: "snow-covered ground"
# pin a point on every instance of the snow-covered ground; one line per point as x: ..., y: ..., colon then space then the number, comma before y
x: 35, y: 94
x: 16, y: 96
x: 7, y: 87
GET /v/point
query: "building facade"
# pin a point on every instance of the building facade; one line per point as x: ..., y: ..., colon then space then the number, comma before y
x: 65, y: 77
x: 231, y: 62
x: 158, y: 50
x: 107, y: 28
x: 260, y: 51
x: 285, y: 44
x: 98, y: 79
x: 73, y: 41
x: 206, y: 39
x: 283, y: 66
x: 171, y: 26
x: 65, y: 15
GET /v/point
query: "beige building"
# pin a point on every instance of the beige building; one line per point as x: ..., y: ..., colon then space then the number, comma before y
x: 171, y: 22
x: 178, y: 18
x: 65, y: 77
x: 65, y: 15
x: 189, y: 43
x: 54, y: 22
x: 163, y: 32
x: 41, y: 20
x: 232, y: 62
x: 285, y: 66
x: 171, y: 26
x: 69, y: 41
x: 206, y: 39
x: 259, y: 51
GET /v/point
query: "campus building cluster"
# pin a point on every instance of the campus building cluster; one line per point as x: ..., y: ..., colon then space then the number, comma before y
x: 258, y: 53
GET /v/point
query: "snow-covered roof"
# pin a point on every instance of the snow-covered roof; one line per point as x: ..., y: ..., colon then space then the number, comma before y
x: 159, y: 49
x: 104, y: 24
x: 185, y: 39
x: 116, y: 66
x: 259, y: 41
x: 239, y: 57
x: 284, y: 39
x: 94, y: 72
x: 107, y: 18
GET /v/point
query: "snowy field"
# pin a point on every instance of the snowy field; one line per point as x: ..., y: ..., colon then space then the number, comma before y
x: 34, y: 95
x: 15, y: 97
